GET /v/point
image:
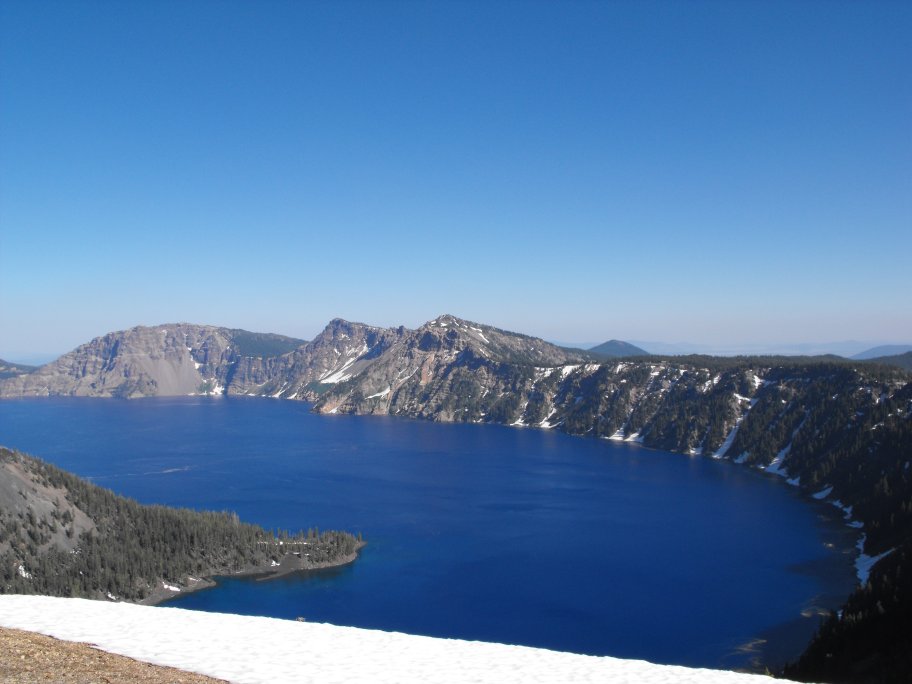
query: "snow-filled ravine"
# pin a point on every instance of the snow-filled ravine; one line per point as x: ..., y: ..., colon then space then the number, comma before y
x: 257, y: 649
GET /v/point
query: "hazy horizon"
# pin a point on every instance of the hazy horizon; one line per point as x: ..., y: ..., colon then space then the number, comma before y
x: 731, y: 174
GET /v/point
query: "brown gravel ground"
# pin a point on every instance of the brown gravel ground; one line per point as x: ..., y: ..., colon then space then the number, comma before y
x: 29, y: 658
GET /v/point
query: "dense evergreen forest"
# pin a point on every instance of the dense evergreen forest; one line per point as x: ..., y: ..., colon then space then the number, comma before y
x: 262, y: 345
x: 130, y: 551
x: 870, y: 639
x: 903, y: 360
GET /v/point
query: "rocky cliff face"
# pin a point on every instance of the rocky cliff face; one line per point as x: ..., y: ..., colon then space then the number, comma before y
x: 164, y: 360
x: 442, y: 371
x: 137, y: 362
x: 186, y: 359
x: 343, y: 350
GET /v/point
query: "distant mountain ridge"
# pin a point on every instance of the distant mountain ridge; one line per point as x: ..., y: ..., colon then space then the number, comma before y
x: 182, y: 358
x: 618, y: 349
x: 9, y: 369
x: 882, y: 351
x: 845, y: 349
x: 143, y: 361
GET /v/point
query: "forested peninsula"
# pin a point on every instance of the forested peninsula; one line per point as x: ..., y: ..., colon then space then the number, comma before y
x: 63, y: 536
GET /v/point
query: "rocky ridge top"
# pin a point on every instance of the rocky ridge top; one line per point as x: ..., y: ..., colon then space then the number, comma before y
x: 182, y: 359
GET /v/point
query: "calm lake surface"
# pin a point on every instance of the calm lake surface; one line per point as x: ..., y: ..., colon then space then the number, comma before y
x: 475, y: 531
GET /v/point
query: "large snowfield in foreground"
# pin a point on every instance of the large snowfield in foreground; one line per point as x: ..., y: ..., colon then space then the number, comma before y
x: 258, y: 649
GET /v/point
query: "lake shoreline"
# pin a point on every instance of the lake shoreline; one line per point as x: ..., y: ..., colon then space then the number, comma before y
x: 779, y: 645
x: 288, y: 566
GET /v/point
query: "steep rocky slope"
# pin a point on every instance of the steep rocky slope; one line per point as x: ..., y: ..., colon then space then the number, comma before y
x: 40, y: 509
x: 181, y: 359
x: 442, y: 371
x: 151, y: 361
x: 341, y: 351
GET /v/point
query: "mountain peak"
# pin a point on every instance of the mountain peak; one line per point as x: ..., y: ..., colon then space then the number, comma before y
x: 618, y: 348
x: 446, y: 320
x: 883, y: 350
x: 345, y: 326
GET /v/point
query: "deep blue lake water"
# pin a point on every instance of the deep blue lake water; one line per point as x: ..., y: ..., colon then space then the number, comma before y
x: 475, y: 531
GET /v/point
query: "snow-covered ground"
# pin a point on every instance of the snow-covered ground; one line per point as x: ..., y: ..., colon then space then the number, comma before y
x: 864, y: 562
x: 257, y: 649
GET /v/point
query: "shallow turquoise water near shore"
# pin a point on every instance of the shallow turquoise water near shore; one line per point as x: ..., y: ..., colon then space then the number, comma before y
x: 475, y: 531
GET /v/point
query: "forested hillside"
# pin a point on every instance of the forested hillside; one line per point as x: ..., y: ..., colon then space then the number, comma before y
x: 870, y: 639
x: 63, y: 536
x: 11, y: 370
x: 901, y: 360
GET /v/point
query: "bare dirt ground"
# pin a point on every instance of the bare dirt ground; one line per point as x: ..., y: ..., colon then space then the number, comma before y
x: 29, y: 658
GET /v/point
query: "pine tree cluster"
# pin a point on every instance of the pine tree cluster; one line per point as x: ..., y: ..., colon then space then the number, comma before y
x: 135, y: 547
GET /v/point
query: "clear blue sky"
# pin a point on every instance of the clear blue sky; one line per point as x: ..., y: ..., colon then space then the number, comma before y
x: 719, y: 172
